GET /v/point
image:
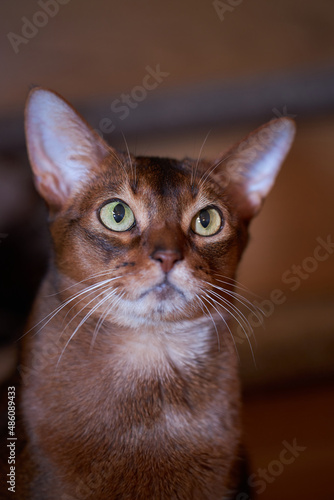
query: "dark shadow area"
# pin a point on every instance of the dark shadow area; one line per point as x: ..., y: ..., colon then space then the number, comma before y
x: 23, y: 246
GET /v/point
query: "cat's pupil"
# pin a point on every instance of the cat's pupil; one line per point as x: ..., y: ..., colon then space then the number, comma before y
x: 204, y: 217
x: 118, y: 212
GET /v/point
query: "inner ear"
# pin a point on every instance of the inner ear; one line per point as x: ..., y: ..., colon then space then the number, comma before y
x: 249, y: 169
x: 63, y: 149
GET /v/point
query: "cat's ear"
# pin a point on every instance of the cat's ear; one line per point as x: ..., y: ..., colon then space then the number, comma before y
x: 62, y: 148
x: 249, y: 169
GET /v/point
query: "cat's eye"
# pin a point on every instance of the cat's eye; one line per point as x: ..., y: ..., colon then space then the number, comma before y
x: 117, y: 216
x: 207, y: 222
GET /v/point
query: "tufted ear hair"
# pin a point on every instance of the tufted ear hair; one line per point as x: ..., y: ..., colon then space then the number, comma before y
x: 249, y: 169
x: 62, y: 148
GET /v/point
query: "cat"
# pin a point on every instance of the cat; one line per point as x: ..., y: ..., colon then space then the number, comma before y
x: 130, y: 374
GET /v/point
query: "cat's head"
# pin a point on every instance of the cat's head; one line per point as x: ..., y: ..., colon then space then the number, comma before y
x: 149, y: 239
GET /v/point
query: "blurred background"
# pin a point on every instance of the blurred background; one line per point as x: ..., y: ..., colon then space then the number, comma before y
x: 165, y: 74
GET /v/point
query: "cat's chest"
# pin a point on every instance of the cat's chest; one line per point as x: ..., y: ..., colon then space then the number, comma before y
x: 142, y: 381
x: 153, y: 373
x: 136, y: 409
x: 166, y: 392
x: 158, y: 352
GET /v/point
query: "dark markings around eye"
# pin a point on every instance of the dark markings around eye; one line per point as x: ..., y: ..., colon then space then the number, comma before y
x: 111, y: 247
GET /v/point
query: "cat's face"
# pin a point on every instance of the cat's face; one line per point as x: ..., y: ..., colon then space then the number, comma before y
x: 154, y: 227
x: 146, y: 240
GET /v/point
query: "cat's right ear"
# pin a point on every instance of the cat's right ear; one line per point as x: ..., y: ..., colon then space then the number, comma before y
x: 248, y: 170
x: 63, y: 150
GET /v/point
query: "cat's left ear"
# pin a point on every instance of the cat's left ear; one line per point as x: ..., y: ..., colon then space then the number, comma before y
x: 63, y: 149
x: 249, y: 169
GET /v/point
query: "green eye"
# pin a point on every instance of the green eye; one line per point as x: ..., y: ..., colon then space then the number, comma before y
x: 207, y: 222
x: 117, y: 216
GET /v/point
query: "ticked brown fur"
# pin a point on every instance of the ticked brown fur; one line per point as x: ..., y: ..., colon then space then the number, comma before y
x: 131, y: 386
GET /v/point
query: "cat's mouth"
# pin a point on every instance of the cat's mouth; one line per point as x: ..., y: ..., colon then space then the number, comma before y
x: 163, y: 291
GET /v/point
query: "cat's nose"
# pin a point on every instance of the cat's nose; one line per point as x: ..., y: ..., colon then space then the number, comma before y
x: 167, y: 258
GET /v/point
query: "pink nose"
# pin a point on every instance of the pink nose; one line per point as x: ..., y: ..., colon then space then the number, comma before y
x: 167, y: 258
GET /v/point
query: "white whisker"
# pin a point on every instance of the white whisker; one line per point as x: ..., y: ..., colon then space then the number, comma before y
x: 234, y: 282
x: 210, y: 316
x: 207, y: 174
x: 54, y: 313
x: 119, y: 161
x: 133, y: 171
x: 88, y: 294
x: 209, y: 300
x: 242, y: 300
x: 82, y: 322
x: 229, y: 304
x: 194, y: 172
x: 84, y: 307
x: 92, y: 276
x: 209, y: 171
x: 233, y: 310
x: 240, y: 314
x: 104, y: 315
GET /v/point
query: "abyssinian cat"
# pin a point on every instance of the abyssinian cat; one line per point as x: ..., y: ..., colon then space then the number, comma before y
x: 131, y: 386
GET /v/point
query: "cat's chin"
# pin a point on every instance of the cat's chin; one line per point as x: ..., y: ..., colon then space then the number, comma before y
x: 164, y: 302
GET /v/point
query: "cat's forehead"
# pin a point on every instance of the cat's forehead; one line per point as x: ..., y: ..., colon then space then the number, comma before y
x: 164, y: 176
x: 162, y: 180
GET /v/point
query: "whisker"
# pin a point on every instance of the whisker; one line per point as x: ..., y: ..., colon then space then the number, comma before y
x: 104, y: 315
x: 118, y: 160
x: 236, y: 284
x: 92, y: 276
x: 234, y: 311
x: 54, y: 313
x: 130, y: 160
x: 230, y: 304
x: 194, y: 172
x: 106, y: 285
x: 82, y: 322
x: 207, y: 173
x: 84, y: 307
x: 224, y: 320
x: 241, y: 316
x: 210, y: 316
x: 243, y: 300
